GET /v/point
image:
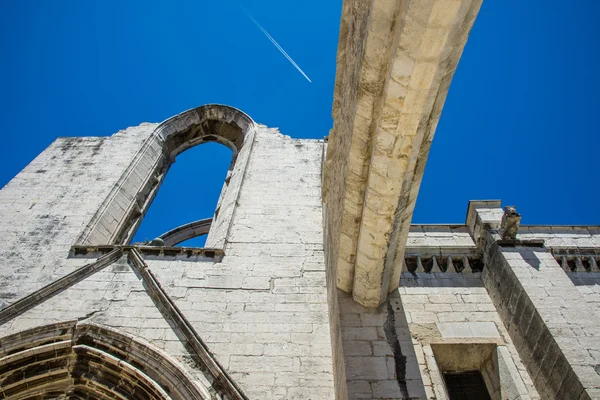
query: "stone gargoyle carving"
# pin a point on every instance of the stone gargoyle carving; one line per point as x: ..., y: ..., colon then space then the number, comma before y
x: 509, y: 225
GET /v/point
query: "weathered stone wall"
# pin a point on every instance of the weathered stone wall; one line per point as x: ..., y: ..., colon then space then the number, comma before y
x: 439, y: 240
x: 262, y: 311
x: 553, y: 328
x: 46, y: 206
x: 230, y: 193
x: 372, y: 340
x: 388, y: 350
x: 446, y: 304
x: 269, y: 311
x: 557, y: 237
x: 588, y: 285
x: 335, y: 327
x: 451, y: 308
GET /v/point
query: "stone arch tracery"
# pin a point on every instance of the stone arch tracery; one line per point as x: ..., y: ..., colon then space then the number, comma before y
x: 86, y: 361
x: 186, y: 232
x: 122, y: 211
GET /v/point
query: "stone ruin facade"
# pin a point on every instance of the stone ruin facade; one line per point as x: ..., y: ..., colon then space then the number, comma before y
x: 313, y: 283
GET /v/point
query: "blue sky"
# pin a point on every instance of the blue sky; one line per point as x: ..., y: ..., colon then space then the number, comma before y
x: 520, y: 122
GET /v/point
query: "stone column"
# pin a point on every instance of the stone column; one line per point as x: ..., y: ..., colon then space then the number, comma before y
x: 549, y: 323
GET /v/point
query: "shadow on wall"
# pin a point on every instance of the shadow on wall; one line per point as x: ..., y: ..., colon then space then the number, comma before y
x: 190, y: 192
x: 379, y: 355
x: 589, y: 279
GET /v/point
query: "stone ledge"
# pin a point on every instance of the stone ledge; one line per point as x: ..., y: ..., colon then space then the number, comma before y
x: 152, y: 252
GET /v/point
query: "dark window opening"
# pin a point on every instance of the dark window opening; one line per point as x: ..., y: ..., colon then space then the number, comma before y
x: 189, y: 192
x: 466, y: 386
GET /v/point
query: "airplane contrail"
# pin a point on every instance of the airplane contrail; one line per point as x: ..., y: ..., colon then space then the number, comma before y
x: 263, y: 30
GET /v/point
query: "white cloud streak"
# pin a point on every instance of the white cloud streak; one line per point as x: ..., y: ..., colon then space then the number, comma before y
x: 263, y: 30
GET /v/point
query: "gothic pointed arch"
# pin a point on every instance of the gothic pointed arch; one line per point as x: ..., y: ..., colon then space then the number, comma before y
x: 73, y: 360
x: 122, y: 211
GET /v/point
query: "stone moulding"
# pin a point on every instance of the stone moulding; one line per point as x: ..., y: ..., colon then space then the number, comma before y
x: 90, y: 361
x: 222, y: 381
x: 180, y: 253
x: 441, y: 264
x: 121, y: 212
x: 579, y: 262
x: 186, y: 231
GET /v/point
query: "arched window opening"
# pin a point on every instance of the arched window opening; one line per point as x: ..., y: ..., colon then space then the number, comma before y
x: 187, y: 198
x: 117, y: 220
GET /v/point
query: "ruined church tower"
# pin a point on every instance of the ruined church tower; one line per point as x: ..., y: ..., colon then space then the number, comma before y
x: 313, y: 283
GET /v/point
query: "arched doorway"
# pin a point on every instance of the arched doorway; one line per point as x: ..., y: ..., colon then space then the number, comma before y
x: 86, y: 361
